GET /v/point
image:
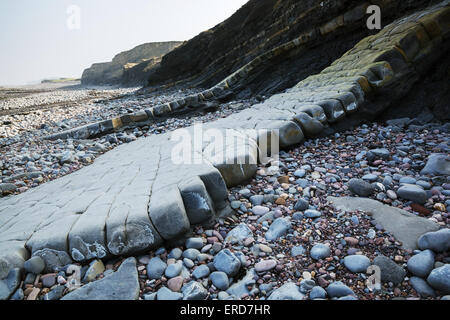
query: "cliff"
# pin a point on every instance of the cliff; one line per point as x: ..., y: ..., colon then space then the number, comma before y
x: 113, y: 72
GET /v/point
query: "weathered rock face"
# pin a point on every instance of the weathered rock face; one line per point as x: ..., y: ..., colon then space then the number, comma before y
x: 328, y: 29
x: 145, y: 55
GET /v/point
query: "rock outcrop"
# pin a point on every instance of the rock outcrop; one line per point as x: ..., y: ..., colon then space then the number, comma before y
x: 113, y: 72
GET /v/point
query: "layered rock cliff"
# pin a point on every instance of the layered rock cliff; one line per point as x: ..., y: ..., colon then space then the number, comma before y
x: 326, y: 29
x: 113, y: 72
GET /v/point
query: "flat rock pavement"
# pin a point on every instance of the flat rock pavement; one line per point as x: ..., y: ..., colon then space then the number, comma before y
x: 404, y: 226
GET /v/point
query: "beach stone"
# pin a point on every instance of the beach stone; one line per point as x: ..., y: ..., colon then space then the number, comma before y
x: 242, y: 287
x: 298, y: 251
x: 18, y: 295
x: 257, y: 200
x: 54, y: 259
x: 390, y: 271
x: 173, y: 269
x: 438, y: 241
x: 422, y: 287
x: 96, y: 268
x: 239, y: 234
x: 220, y: 280
x: 306, y: 285
x: 55, y: 294
x: 320, y: 251
x: 175, y: 253
x: 175, y: 283
x: 265, y: 265
x: 338, y: 289
x: 379, y: 153
x: 201, y: 271
x: 357, y: 263
x: 403, y: 225
x: 9, y: 285
x: 360, y: 187
x: 413, y: 193
x: 196, y: 243
x: 317, y: 293
x: 166, y: 294
x: 121, y: 285
x: 288, y: 291
x: 260, y: 210
x: 421, y: 264
x: 437, y: 164
x: 301, y: 205
x: 310, y: 213
x: 34, y: 265
x: 194, y: 291
x: 191, y: 254
x: 48, y: 280
x: 439, y: 279
x: 278, y: 228
x: 227, y: 262
x: 156, y: 268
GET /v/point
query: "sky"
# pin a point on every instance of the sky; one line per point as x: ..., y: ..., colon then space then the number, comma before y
x: 42, y: 39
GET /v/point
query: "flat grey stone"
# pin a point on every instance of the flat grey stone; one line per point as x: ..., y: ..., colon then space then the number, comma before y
x: 288, y: 291
x: 121, y: 285
x: 405, y: 226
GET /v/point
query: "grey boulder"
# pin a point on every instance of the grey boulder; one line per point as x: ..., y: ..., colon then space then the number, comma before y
x: 437, y: 164
x: 438, y: 241
x: 288, y: 291
x: 421, y: 264
x: 439, y: 279
x: 227, y: 262
x: 278, y: 228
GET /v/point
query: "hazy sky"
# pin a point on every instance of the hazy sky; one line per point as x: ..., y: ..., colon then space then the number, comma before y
x: 40, y: 38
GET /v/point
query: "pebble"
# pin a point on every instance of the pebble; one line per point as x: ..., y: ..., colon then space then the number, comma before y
x: 421, y: 264
x: 357, y: 263
x: 201, y: 271
x: 156, y: 268
x: 227, y: 262
x: 320, y: 251
x: 265, y: 265
x: 219, y: 280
